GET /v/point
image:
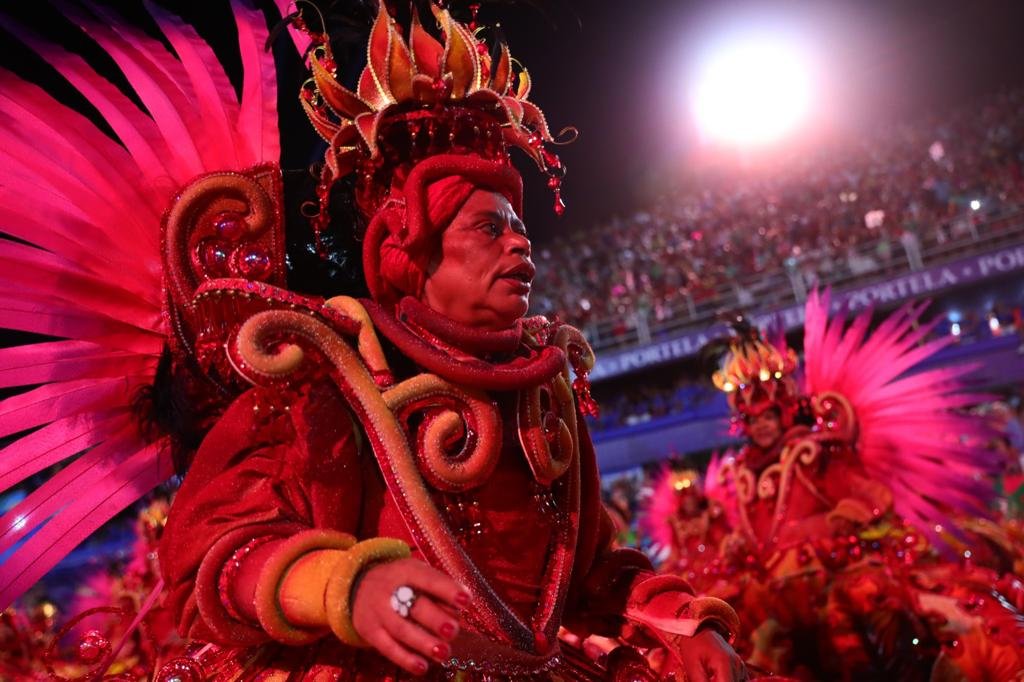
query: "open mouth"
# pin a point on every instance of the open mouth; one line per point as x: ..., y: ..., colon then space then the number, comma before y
x: 521, y: 273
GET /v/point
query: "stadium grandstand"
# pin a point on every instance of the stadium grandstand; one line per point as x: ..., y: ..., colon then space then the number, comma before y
x: 933, y: 209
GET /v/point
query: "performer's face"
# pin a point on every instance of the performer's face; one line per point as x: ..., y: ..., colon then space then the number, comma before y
x: 765, y: 428
x: 483, y: 273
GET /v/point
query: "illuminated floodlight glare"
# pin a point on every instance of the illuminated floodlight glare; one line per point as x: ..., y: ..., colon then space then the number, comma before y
x: 752, y: 91
x: 975, y: 204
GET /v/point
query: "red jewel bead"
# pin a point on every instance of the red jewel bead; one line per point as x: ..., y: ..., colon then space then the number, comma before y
x: 228, y: 225
x: 181, y: 670
x: 93, y: 647
x: 559, y: 205
x: 213, y: 254
x: 253, y: 263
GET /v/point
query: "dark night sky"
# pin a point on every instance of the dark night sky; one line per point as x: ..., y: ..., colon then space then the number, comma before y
x: 615, y: 70
x: 888, y: 60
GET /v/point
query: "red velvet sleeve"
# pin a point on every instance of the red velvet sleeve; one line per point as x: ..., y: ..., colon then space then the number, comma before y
x: 272, y: 466
x: 613, y: 588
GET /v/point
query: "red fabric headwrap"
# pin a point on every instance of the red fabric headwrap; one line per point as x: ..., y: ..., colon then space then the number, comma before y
x: 403, y: 234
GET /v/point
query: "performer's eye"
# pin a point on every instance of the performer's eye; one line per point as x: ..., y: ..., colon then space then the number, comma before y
x: 491, y: 228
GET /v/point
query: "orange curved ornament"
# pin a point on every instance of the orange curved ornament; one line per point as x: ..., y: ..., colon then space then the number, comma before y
x: 247, y: 202
x: 547, y: 413
x: 476, y: 423
x: 547, y: 424
x: 836, y: 415
x: 367, y: 342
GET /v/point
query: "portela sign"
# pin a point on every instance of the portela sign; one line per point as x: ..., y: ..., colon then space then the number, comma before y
x: 932, y: 280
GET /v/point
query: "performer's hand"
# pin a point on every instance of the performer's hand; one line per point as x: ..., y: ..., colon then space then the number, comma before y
x: 432, y: 621
x: 705, y: 657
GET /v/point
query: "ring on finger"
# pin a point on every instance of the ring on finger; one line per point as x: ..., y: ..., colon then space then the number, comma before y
x: 402, y: 600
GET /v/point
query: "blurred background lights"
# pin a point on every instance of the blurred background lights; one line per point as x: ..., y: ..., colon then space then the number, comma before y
x: 751, y: 89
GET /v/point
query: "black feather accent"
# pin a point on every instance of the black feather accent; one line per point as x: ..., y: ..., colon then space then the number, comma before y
x: 277, y: 29
x: 496, y: 46
x: 165, y: 407
x: 709, y: 358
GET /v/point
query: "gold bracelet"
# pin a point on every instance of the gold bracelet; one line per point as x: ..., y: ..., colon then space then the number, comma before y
x: 272, y: 574
x: 338, y: 597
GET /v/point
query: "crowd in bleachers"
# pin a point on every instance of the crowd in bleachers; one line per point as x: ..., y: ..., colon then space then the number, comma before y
x: 635, y: 403
x: 844, y: 210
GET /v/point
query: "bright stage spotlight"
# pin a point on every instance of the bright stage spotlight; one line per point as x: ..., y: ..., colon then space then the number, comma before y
x: 751, y: 90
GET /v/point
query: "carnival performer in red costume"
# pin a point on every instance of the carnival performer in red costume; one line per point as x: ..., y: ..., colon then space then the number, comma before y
x: 847, y: 557
x: 685, y: 519
x: 391, y: 486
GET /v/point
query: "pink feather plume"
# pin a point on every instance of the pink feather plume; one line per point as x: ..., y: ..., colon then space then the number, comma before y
x: 910, y: 433
x: 88, y: 210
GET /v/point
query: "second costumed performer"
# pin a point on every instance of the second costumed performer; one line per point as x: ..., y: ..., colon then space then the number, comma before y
x: 407, y: 486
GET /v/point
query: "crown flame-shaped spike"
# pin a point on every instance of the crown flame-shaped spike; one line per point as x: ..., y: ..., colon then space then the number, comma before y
x: 427, y: 53
x: 427, y: 72
x: 752, y: 361
x: 419, y: 98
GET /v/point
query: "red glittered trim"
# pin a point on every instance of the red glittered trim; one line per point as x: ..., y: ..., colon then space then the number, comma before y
x: 220, y: 621
x: 230, y: 570
x: 276, y: 297
x: 518, y: 373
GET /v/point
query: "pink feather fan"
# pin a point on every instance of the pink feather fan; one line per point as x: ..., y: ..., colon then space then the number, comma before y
x: 911, y: 434
x: 87, y: 210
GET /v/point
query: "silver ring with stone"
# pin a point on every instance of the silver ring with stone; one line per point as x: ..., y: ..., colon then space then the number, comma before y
x: 402, y: 600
